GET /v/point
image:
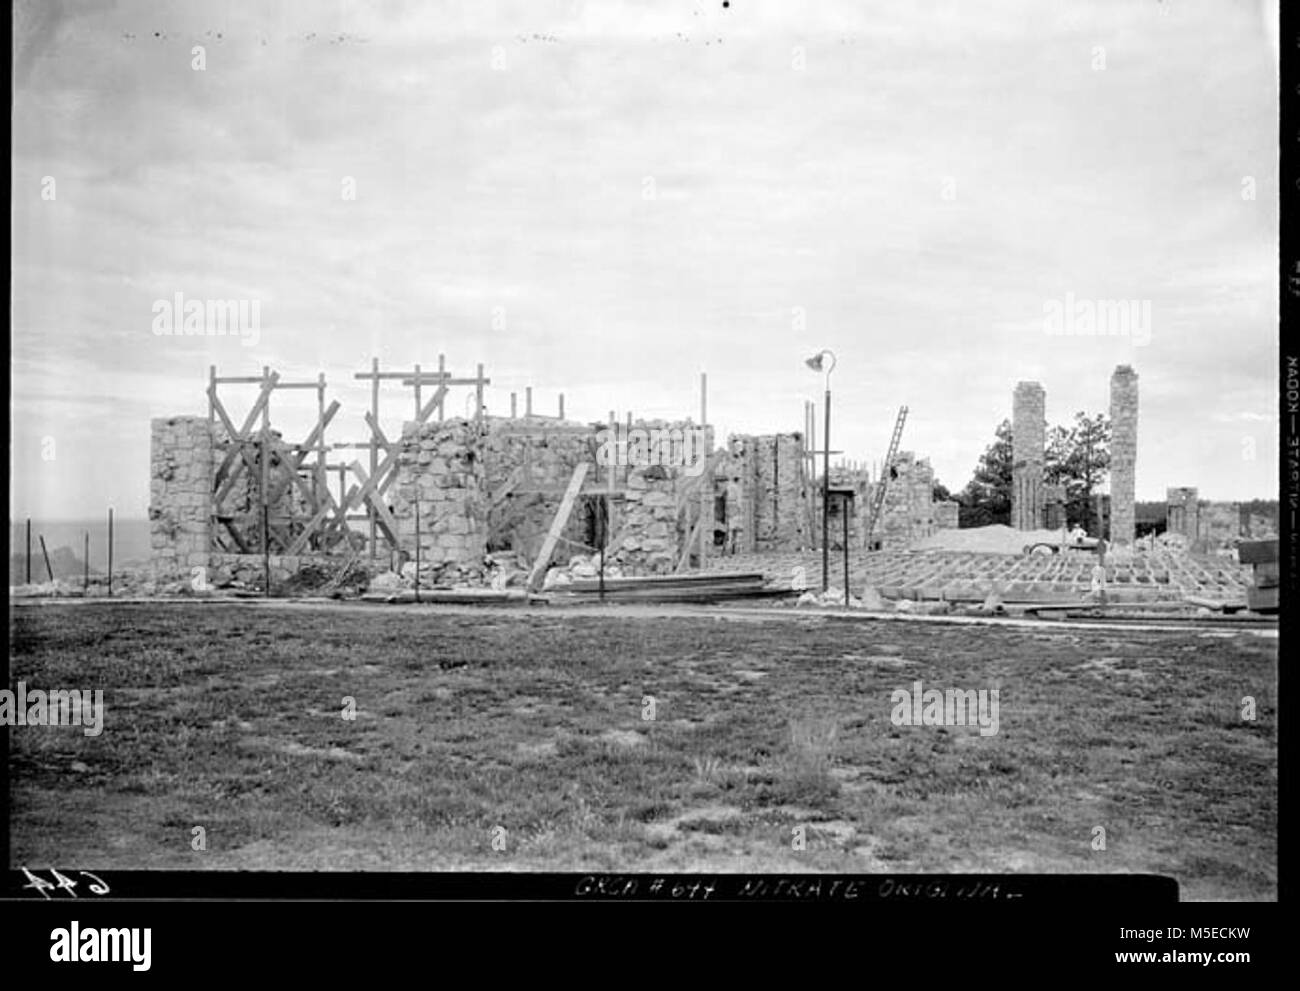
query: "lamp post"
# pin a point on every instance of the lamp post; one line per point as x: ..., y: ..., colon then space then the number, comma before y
x: 815, y: 363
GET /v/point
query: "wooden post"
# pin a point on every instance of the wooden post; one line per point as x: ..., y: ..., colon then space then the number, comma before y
x: 417, y: 392
x: 374, y: 444
x: 561, y: 405
x: 322, y: 482
x: 602, y: 507
x: 706, y: 478
x: 844, y: 511
x: 85, y: 562
x: 110, y: 550
x: 557, y: 526
x: 212, y: 436
x: 478, y: 410
x: 29, y: 549
x: 442, y: 380
x: 264, y: 456
x: 417, y: 545
x: 528, y: 400
x: 514, y: 405
x: 613, y: 464
x: 46, y: 554
x: 266, y: 551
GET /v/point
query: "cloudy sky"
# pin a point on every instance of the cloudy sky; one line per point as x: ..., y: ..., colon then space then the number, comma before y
x: 605, y: 199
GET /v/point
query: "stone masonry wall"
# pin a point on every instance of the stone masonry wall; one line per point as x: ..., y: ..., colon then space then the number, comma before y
x: 546, y: 453
x: 662, y: 497
x: 1182, y: 512
x: 945, y: 515
x: 768, y: 491
x: 180, y: 485
x: 441, y: 469
x: 908, y: 512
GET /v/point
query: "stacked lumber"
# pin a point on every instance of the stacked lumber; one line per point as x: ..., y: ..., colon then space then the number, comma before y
x: 708, y: 587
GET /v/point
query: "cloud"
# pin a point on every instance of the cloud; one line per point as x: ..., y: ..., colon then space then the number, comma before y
x: 522, y: 191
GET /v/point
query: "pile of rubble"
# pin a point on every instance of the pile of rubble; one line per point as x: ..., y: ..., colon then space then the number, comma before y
x: 580, y: 568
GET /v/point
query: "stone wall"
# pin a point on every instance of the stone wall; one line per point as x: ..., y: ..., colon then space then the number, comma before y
x: 180, y: 485
x: 544, y: 453
x: 441, y: 470
x: 1219, y: 523
x: 945, y: 515
x: 767, y: 493
x: 1054, y: 506
x: 662, y: 485
x: 1214, y: 523
x: 908, y: 512
x: 855, y: 483
x: 1183, y: 512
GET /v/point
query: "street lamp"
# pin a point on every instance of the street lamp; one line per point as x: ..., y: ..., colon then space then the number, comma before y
x: 815, y: 363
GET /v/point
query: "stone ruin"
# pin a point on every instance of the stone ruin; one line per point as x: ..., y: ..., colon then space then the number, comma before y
x: 908, y: 514
x: 1037, y: 505
x: 476, y: 490
x: 765, y: 494
x: 1208, y: 526
x: 484, y: 494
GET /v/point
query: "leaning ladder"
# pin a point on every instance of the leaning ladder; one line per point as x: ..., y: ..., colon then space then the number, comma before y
x: 878, y: 503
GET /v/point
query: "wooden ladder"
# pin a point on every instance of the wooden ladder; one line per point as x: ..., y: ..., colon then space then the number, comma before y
x: 879, y: 501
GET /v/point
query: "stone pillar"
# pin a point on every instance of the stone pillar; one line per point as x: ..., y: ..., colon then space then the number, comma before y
x: 1123, y: 453
x: 1028, y: 437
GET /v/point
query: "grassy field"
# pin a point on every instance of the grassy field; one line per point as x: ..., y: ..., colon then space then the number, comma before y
x: 529, y: 730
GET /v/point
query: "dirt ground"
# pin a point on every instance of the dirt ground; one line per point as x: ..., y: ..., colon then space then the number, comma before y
x: 639, y: 740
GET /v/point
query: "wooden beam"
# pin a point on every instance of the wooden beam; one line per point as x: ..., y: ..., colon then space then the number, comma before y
x: 374, y: 451
x: 442, y: 377
x: 376, y: 435
x: 434, y: 403
x: 688, y: 544
x: 557, y: 527
x: 240, y: 436
x: 294, y: 461
x: 367, y: 493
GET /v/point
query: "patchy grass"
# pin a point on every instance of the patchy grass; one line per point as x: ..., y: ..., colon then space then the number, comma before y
x: 231, y: 718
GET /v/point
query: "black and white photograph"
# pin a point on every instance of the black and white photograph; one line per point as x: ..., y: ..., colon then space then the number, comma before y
x: 736, y: 439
